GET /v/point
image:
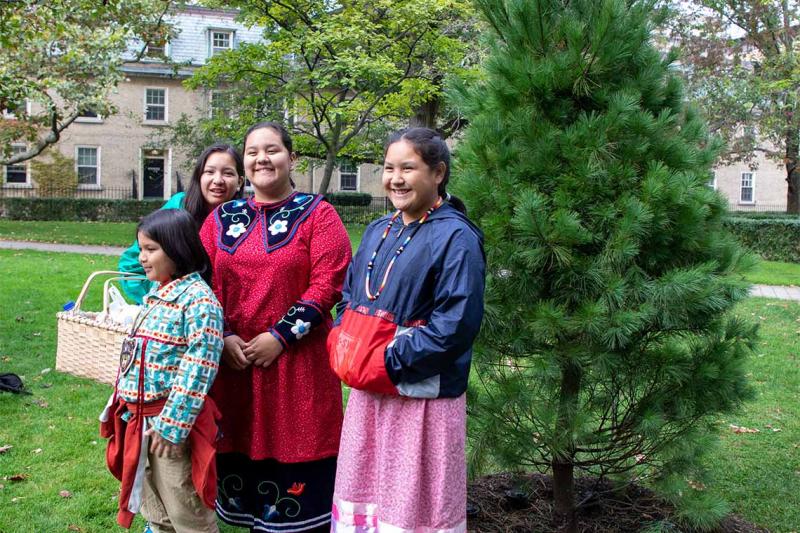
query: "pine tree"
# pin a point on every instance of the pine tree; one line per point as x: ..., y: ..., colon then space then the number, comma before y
x: 609, y: 345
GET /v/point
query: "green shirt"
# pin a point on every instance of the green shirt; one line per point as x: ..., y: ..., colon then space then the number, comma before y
x: 129, y: 260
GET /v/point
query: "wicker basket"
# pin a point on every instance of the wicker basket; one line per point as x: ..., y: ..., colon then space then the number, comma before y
x: 88, y: 347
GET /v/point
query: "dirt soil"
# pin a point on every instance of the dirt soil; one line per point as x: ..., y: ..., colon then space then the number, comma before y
x: 510, y: 504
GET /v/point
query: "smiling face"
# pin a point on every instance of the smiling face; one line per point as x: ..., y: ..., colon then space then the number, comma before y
x: 410, y: 184
x: 219, y: 180
x: 155, y: 261
x: 268, y: 164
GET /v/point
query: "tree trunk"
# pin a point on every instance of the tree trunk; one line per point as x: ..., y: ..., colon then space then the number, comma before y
x: 330, y: 156
x: 562, y: 464
x: 792, y: 174
x: 330, y: 164
x: 425, y: 115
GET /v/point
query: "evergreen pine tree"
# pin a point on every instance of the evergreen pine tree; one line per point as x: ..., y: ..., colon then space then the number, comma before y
x: 609, y: 346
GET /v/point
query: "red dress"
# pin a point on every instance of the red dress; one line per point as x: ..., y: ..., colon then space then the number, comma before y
x: 278, y: 267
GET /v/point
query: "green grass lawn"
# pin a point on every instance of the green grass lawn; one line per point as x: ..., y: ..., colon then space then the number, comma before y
x: 100, y: 233
x: 55, y: 445
x: 775, y: 273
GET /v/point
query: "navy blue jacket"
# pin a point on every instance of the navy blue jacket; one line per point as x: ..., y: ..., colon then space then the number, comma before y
x: 438, y: 281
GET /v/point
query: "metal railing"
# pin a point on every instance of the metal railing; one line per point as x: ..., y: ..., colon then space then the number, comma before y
x: 98, y: 193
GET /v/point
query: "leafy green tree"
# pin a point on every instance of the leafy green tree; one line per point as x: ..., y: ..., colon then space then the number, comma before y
x: 340, y: 74
x: 63, y: 57
x: 608, y: 346
x: 743, y: 70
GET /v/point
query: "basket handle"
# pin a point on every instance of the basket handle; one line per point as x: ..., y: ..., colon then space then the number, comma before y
x: 119, y: 275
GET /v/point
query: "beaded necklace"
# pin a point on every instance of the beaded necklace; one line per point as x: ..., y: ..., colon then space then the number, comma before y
x: 371, y: 264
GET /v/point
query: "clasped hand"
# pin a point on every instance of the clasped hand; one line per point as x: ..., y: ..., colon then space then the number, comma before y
x: 161, y: 447
x: 261, y: 351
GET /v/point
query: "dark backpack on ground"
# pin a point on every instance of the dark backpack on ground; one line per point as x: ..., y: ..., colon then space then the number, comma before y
x: 12, y: 383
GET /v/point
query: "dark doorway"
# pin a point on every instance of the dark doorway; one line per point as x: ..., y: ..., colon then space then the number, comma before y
x: 153, y: 177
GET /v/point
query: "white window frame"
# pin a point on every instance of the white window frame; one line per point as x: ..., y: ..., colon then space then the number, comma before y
x: 211, y: 103
x: 11, y: 116
x: 752, y: 188
x: 146, y: 58
x: 166, y: 106
x: 357, y: 173
x: 16, y: 185
x: 98, y: 166
x: 90, y: 120
x: 713, y: 181
x: 212, y: 50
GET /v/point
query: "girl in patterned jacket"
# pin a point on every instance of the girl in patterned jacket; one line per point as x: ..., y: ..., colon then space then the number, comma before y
x: 162, y: 427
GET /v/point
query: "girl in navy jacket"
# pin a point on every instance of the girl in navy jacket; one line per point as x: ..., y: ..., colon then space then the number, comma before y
x: 413, y: 304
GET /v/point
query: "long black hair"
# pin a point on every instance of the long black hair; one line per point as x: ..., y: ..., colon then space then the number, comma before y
x: 194, y: 202
x: 430, y: 146
x: 177, y: 233
x: 278, y: 128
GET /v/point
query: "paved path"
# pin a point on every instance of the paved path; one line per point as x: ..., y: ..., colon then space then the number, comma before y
x: 776, y: 291
x: 765, y: 291
x: 72, y: 248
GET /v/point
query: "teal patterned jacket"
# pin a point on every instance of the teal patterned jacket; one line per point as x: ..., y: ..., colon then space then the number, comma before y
x: 181, y: 337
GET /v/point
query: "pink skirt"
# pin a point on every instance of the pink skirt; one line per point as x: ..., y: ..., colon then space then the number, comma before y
x: 402, y: 466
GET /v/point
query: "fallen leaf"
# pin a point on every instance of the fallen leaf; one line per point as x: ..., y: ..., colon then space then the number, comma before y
x: 742, y: 429
x: 37, y: 450
x: 37, y: 333
x: 696, y: 485
x: 51, y: 427
x: 19, y: 318
x: 2, y: 486
x: 6, y: 359
x: 47, y: 370
x: 73, y: 527
x: 65, y: 494
x: 41, y: 403
x: 18, y: 477
x: 4, y: 449
x: 46, y: 385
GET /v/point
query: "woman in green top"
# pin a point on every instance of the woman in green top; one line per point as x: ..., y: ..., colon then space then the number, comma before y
x: 218, y: 177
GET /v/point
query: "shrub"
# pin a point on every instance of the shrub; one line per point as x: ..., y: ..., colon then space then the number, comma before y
x: 776, y: 239
x: 79, y: 209
x: 349, y: 198
x: 56, y: 175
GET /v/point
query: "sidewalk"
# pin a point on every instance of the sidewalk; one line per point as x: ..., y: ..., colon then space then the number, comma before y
x: 763, y: 291
x: 71, y: 248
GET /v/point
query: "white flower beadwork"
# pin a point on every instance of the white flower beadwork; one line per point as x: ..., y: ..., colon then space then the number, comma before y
x: 236, y: 229
x: 301, y: 329
x: 279, y: 226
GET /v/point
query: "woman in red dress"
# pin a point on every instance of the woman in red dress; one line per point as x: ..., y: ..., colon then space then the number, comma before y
x: 279, y: 260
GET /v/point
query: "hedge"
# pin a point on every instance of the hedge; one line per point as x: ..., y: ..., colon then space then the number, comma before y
x: 776, y: 239
x: 77, y: 209
x: 349, y: 198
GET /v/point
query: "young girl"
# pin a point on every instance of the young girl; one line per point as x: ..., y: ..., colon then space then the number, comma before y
x: 279, y: 259
x: 413, y: 303
x: 163, y: 428
x: 218, y: 177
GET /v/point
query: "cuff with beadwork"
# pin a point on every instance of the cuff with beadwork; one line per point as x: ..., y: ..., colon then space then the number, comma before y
x: 298, y: 321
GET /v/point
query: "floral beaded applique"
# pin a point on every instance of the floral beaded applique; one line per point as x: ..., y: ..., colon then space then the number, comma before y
x: 297, y: 322
x: 237, y: 218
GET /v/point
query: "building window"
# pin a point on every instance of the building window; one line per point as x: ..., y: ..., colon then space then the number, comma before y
x: 156, y: 50
x: 155, y: 105
x: 17, y: 174
x: 746, y: 190
x: 221, y: 41
x: 220, y: 105
x: 712, y: 181
x: 87, y: 165
x: 348, y: 176
x: 87, y: 115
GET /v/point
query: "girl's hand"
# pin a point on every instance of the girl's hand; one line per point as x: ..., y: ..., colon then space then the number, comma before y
x: 161, y: 447
x: 232, y: 352
x: 263, y: 349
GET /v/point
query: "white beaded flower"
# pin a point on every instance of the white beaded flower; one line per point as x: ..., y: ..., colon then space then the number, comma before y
x: 301, y: 329
x: 235, y: 230
x: 279, y: 226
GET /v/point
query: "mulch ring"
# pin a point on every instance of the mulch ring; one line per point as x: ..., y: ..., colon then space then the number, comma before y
x: 511, y: 504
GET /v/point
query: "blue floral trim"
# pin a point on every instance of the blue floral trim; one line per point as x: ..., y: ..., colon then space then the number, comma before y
x: 298, y: 322
x: 235, y: 220
x: 280, y: 224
